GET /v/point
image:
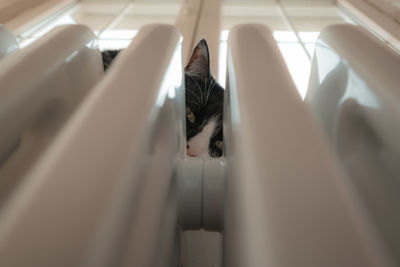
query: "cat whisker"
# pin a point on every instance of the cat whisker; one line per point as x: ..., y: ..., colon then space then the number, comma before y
x: 199, y: 88
x: 193, y: 93
x: 194, y: 102
x: 206, y: 91
x: 210, y: 87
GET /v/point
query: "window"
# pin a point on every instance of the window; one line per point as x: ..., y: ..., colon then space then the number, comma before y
x: 296, y: 25
x: 296, y: 28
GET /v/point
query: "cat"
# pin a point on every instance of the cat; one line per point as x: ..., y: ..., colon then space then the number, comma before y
x: 204, y: 99
x: 108, y: 56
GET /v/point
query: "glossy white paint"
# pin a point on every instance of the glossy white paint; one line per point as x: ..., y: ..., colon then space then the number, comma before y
x: 41, y: 86
x: 287, y: 202
x: 201, y: 185
x: 354, y: 93
x: 104, y: 193
x: 190, y: 183
x: 213, y: 195
x: 8, y: 42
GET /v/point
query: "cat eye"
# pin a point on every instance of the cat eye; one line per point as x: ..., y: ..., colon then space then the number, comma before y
x: 219, y: 144
x: 189, y: 115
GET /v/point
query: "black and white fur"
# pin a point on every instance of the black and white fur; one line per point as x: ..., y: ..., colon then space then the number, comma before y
x: 204, y: 99
x: 204, y: 106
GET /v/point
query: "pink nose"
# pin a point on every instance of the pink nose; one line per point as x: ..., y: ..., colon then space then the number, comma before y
x: 189, y: 152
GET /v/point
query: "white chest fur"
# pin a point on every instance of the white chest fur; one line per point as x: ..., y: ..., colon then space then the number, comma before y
x: 198, y: 144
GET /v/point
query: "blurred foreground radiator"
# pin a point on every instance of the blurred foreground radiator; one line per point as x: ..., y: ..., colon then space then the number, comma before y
x: 94, y: 169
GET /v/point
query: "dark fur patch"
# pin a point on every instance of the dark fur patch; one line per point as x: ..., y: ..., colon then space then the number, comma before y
x: 108, y: 57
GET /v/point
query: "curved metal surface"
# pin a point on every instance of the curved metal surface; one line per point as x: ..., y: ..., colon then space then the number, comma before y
x: 288, y: 203
x: 41, y: 86
x: 354, y: 93
x: 104, y: 194
x: 8, y: 42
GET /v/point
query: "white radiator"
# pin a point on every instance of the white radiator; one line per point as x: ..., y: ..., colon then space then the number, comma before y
x: 94, y: 169
x: 354, y: 94
x: 8, y: 42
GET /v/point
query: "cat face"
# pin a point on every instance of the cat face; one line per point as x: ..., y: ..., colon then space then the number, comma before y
x: 204, y: 106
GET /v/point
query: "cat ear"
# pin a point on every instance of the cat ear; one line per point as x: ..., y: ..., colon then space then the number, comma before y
x: 199, y: 63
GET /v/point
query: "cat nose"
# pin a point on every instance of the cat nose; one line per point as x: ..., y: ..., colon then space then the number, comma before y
x: 189, y: 152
